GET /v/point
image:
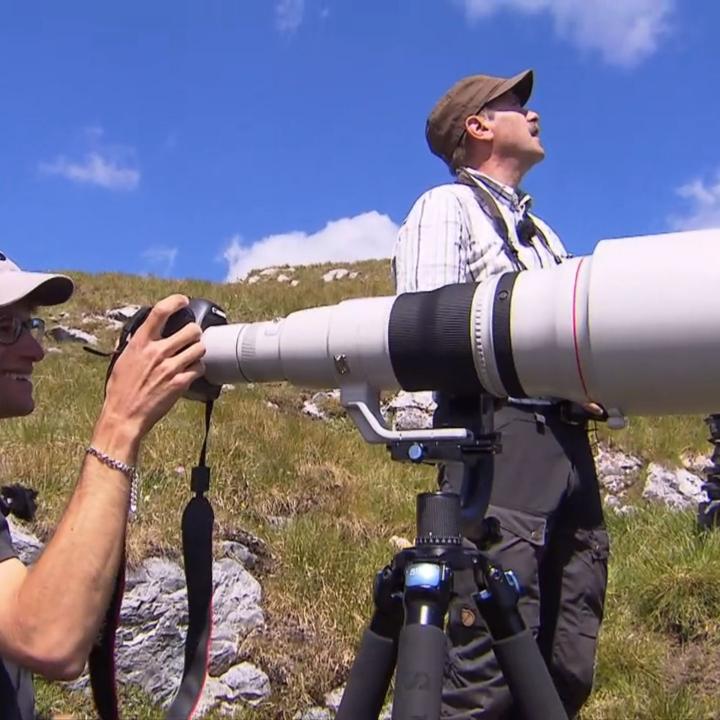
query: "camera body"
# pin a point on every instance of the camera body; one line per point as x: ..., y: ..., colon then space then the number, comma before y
x: 206, y: 314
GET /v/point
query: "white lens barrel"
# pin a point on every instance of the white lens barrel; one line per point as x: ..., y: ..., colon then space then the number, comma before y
x: 326, y: 347
x: 654, y: 323
x: 634, y: 327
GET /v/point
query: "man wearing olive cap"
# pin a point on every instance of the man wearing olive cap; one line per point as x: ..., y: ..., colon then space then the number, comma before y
x: 50, y: 612
x: 544, y: 484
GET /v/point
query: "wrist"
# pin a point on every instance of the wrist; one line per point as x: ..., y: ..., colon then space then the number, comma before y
x: 117, y: 437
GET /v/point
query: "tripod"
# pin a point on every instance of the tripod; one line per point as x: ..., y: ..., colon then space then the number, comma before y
x: 412, y: 594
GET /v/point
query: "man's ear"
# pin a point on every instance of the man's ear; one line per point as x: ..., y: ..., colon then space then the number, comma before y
x: 476, y: 126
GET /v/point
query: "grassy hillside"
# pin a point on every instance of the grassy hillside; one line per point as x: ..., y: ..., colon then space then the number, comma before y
x: 327, y: 504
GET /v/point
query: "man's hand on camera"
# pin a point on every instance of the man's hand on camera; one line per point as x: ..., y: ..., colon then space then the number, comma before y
x: 153, y: 372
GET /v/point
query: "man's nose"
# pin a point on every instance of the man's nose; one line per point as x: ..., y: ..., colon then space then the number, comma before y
x: 532, y: 116
x: 29, y: 347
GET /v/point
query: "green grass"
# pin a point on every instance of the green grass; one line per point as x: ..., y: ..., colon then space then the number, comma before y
x: 327, y: 504
x: 660, y: 439
x: 659, y: 653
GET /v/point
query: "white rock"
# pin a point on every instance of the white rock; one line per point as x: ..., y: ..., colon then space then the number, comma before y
x: 616, y: 505
x: 61, y: 333
x: 282, y: 278
x: 333, y: 698
x: 353, y: 275
x: 696, y: 462
x: 270, y: 272
x: 616, y: 470
x: 253, y: 279
x: 410, y: 410
x: 294, y: 283
x: 314, y: 713
x: 108, y: 322
x: 26, y: 544
x: 122, y: 313
x: 153, y: 624
x: 336, y: 274
x: 678, y: 489
x: 310, y: 407
x: 241, y: 683
x: 398, y: 543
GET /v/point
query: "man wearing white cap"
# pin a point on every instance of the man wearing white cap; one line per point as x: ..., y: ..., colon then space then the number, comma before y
x: 50, y: 613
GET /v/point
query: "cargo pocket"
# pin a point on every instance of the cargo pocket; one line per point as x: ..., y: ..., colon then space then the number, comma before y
x: 580, y: 614
x: 470, y: 659
x: 520, y: 549
x: 593, y: 548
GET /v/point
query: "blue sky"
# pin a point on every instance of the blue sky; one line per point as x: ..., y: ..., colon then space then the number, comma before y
x: 199, y: 139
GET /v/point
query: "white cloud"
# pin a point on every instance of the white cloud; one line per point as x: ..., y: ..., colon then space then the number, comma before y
x: 94, y: 169
x: 289, y: 15
x: 160, y: 259
x: 369, y: 235
x: 625, y: 32
x: 704, y: 201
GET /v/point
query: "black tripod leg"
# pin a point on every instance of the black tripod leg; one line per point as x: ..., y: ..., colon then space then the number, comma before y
x: 374, y: 664
x: 421, y: 664
x: 516, y: 650
x: 423, y: 646
x: 532, y: 689
x: 369, y: 679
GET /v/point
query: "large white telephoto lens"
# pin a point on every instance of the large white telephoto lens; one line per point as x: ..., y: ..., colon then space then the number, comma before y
x: 635, y: 326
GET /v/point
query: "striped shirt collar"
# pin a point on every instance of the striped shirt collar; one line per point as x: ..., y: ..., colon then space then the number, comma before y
x: 517, y: 199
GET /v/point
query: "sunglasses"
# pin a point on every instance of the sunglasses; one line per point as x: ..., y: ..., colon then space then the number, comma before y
x: 12, y: 327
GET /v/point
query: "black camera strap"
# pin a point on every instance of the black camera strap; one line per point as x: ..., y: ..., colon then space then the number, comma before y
x: 197, y: 528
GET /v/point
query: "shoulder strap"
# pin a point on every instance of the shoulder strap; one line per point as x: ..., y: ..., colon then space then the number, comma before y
x: 490, y: 207
x: 544, y: 238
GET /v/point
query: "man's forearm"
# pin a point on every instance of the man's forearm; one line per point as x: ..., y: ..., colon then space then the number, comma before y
x: 65, y: 594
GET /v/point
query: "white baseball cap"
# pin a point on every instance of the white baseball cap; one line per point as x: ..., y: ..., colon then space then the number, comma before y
x: 38, y: 288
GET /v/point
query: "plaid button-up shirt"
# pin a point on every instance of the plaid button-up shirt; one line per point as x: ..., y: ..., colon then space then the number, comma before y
x: 448, y: 238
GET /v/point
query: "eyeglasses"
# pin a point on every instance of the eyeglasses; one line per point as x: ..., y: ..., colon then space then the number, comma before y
x: 11, y: 328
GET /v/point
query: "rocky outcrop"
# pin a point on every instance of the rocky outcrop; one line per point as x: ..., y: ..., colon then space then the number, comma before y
x: 617, y: 473
x: 410, y: 410
x: 678, y: 489
x: 153, y: 624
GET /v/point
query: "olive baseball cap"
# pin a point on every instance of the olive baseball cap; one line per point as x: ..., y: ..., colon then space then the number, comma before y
x: 446, y: 123
x: 38, y: 288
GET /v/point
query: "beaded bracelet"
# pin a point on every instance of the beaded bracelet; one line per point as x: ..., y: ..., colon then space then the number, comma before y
x: 129, y: 471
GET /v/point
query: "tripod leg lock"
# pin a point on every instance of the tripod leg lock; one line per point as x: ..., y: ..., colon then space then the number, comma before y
x: 498, y: 601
